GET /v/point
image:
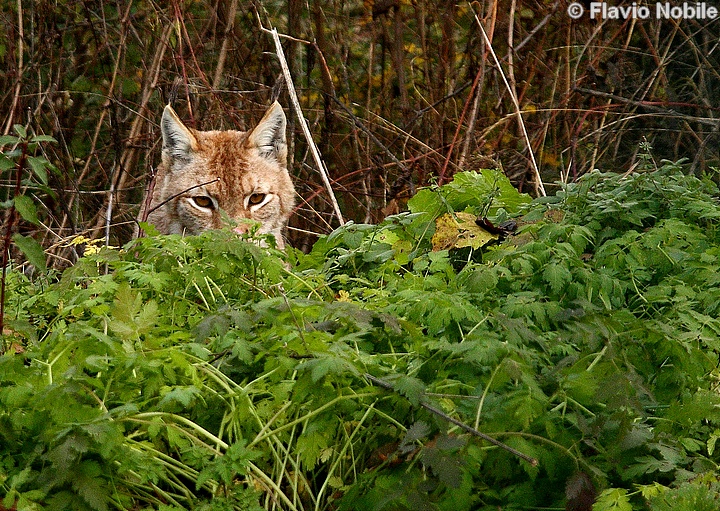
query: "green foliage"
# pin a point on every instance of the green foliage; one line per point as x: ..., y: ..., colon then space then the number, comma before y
x: 30, y: 176
x: 208, y: 373
x: 477, y: 192
x: 700, y: 494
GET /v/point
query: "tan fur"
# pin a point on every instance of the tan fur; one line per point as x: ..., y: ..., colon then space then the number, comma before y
x: 205, y: 172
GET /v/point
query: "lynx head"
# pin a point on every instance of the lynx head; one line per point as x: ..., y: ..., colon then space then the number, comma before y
x: 205, y: 175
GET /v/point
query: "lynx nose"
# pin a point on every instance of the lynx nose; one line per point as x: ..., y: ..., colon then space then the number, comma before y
x: 242, y: 228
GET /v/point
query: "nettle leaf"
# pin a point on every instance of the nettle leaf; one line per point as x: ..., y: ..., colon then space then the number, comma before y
x: 32, y: 250
x: 20, y: 130
x: 700, y: 494
x: 413, y: 435
x: 313, y: 442
x: 557, y: 275
x: 712, y: 441
x: 89, y: 484
x: 225, y: 468
x: 443, y: 459
x: 182, y: 395
x: 157, y: 280
x: 27, y: 209
x: 651, y: 490
x: 327, y: 364
x: 589, y: 331
x: 63, y: 500
x: 68, y: 452
x: 39, y: 167
x: 648, y: 465
x: 417, y: 431
x: 613, y: 499
x: 130, y: 318
x: 147, y: 317
x: 411, y: 388
x: 242, y: 349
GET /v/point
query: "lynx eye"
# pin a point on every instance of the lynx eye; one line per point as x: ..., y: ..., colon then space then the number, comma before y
x: 256, y: 198
x: 203, y: 201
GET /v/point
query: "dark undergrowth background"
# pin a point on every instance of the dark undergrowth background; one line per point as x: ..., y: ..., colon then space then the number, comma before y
x: 398, y: 94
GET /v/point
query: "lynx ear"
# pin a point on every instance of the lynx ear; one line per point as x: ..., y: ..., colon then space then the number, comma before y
x: 269, y: 135
x: 178, y: 140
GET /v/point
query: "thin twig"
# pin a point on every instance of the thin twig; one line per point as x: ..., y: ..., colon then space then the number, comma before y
x: 461, y: 425
x: 441, y: 176
x: 109, y: 214
x: 536, y: 170
x: 543, y: 22
x: 130, y: 153
x: 358, y: 124
x: 471, y: 127
x: 7, y: 236
x: 477, y: 90
x: 230, y: 24
x: 18, y: 83
x: 657, y: 106
x: 303, y: 123
x: 148, y: 198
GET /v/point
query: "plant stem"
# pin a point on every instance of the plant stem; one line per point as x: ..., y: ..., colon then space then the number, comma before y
x: 461, y: 425
x: 538, y: 179
x: 9, y: 224
x: 303, y: 123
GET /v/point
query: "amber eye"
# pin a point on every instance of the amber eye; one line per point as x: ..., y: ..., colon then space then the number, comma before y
x: 203, y: 201
x: 256, y: 198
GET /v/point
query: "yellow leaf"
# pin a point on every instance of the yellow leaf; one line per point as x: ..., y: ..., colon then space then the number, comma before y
x: 459, y: 231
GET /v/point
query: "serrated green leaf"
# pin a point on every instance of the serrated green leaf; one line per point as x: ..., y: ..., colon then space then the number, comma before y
x: 184, y: 396
x: 233, y: 346
x: 311, y: 444
x: 712, y: 441
x: 32, y: 251
x: 417, y: 431
x: 20, y: 130
x: 43, y: 138
x: 613, y: 499
x: 19, y: 479
x: 411, y: 388
x: 5, y: 163
x: 8, y: 140
x: 147, y: 317
x: 651, y: 490
x: 39, y: 167
x: 27, y: 209
x: 444, y: 463
x: 90, y: 486
x: 130, y: 318
x: 557, y: 275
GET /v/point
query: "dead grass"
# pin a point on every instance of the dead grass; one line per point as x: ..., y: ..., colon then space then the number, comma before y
x: 397, y: 94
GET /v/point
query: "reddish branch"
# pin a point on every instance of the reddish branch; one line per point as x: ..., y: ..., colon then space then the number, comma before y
x: 9, y: 225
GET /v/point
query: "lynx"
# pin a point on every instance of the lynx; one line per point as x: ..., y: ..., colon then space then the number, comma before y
x: 205, y: 173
